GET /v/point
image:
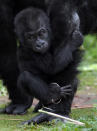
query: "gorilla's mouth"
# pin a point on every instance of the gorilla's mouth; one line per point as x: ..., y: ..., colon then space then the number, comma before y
x: 41, y: 48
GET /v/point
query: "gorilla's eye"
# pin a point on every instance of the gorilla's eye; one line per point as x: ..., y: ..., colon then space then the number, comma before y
x: 42, y: 32
x: 30, y: 37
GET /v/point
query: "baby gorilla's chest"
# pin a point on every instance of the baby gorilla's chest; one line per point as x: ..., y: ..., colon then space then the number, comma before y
x: 36, y: 63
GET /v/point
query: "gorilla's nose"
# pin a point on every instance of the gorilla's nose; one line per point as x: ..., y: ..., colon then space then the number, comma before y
x: 39, y: 45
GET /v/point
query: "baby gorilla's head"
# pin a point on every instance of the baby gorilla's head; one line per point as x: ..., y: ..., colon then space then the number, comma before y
x: 33, y: 30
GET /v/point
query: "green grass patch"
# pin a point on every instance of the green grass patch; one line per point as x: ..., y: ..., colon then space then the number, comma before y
x: 88, y: 78
x: 3, y: 91
x: 90, y: 48
x: 88, y: 116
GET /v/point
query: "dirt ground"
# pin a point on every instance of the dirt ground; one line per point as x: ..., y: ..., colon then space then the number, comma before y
x: 83, y: 99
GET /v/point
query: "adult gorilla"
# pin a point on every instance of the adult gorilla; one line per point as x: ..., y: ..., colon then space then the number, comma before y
x: 67, y: 14
x: 8, y: 61
x: 8, y: 66
x: 8, y: 45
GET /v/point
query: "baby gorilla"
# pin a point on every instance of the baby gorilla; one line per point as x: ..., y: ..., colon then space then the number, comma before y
x: 34, y: 37
x: 41, y: 64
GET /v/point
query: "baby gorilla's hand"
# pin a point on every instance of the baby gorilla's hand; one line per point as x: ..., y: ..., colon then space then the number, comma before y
x: 57, y: 92
x: 77, y: 37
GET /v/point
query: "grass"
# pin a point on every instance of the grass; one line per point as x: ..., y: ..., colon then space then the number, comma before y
x: 88, y: 116
x: 88, y: 78
x: 88, y: 66
x: 90, y: 47
x: 3, y: 91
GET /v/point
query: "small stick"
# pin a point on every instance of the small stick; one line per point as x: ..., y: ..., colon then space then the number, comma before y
x: 11, y: 119
x: 62, y: 117
x: 83, y: 107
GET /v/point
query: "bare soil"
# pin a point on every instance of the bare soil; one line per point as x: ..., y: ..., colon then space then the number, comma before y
x: 83, y: 99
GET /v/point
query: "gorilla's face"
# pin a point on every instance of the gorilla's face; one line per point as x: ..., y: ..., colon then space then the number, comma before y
x: 33, y: 30
x: 38, y: 40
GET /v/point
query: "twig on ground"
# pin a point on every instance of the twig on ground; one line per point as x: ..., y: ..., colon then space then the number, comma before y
x: 11, y: 119
x: 62, y: 117
x: 82, y: 107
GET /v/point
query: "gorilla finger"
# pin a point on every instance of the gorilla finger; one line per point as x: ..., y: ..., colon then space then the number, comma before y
x: 54, y: 84
x: 66, y: 87
x: 65, y: 94
x: 40, y: 118
x: 65, y: 91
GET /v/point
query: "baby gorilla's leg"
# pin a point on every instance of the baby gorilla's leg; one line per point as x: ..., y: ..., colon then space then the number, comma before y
x: 55, y: 93
x: 62, y: 107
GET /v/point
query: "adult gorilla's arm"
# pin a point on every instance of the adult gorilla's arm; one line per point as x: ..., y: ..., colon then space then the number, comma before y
x: 65, y: 24
x: 64, y: 55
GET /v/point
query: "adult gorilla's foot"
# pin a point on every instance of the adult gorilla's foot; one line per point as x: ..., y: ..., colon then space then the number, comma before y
x: 37, y: 119
x: 14, y: 109
x: 20, y: 109
x: 42, y: 117
x: 8, y: 109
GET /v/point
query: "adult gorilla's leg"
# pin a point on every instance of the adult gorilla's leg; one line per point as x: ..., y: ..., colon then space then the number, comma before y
x: 8, y: 61
x: 20, y: 103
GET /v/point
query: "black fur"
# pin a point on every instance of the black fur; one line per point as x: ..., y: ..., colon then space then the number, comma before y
x: 58, y: 63
x: 63, y: 9
x: 8, y: 65
x: 86, y: 12
x: 8, y: 46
